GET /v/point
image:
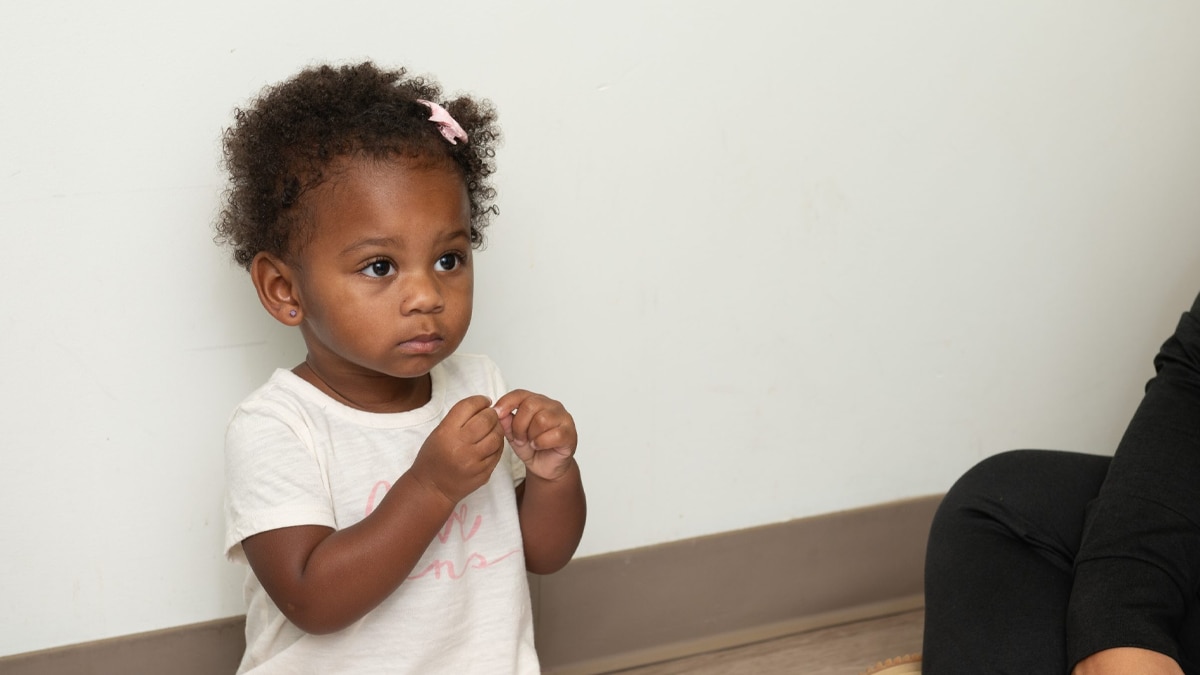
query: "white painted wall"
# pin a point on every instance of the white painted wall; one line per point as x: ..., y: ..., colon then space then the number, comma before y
x: 779, y: 258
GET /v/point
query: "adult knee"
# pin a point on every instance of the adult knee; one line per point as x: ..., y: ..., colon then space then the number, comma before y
x: 999, y: 482
x: 1022, y: 486
x: 996, y: 477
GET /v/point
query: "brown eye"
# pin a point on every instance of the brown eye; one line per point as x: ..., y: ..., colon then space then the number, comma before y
x: 449, y: 262
x: 379, y: 268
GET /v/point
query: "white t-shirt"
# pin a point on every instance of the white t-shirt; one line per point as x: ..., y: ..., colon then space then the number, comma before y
x: 295, y: 456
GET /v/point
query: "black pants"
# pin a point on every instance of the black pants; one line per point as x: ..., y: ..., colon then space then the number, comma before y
x: 999, y: 565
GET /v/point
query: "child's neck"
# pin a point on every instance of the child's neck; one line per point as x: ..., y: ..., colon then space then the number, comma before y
x: 376, y: 394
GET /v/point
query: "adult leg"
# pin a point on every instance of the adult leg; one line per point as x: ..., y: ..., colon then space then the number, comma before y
x: 999, y: 563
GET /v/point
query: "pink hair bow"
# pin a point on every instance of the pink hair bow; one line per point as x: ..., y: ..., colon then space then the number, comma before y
x: 450, y: 129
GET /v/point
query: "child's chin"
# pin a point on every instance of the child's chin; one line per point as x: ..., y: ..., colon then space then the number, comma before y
x: 415, y: 366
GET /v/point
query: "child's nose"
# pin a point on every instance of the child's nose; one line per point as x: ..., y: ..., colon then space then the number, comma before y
x: 422, y: 295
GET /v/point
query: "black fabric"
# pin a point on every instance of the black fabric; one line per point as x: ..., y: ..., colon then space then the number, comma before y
x: 1038, y: 559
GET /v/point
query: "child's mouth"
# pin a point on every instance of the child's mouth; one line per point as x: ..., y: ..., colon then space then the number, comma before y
x: 422, y: 344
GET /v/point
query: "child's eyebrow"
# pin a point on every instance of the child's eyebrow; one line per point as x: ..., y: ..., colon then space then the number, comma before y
x: 369, y: 243
x: 393, y: 242
x: 456, y: 235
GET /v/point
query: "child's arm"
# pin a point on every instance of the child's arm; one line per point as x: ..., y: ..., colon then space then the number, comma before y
x: 550, y: 502
x: 324, y: 580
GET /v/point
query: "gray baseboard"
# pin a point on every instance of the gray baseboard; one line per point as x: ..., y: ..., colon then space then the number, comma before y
x: 629, y: 608
x: 209, y: 648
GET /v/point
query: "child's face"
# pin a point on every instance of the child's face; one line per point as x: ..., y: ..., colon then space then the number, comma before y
x: 385, y: 281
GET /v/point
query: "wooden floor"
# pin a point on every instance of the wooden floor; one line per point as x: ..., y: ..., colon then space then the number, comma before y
x: 842, y: 650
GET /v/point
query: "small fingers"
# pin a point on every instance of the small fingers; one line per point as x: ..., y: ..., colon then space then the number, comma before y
x: 535, y: 415
x: 561, y: 437
x: 480, y: 425
x: 462, y: 412
x: 510, y: 404
x: 534, y: 419
x: 506, y: 422
x: 490, y: 447
x: 514, y: 409
x: 548, y: 420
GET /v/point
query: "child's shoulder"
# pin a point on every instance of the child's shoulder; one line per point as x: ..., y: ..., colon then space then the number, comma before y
x: 283, y: 392
x: 282, y: 384
x: 278, y: 406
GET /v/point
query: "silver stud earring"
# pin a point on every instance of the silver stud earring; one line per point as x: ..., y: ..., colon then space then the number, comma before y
x: 292, y: 313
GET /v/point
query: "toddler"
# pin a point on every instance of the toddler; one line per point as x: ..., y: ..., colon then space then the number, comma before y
x: 386, y: 522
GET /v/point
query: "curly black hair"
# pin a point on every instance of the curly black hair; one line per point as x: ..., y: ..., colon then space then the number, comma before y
x: 283, y: 143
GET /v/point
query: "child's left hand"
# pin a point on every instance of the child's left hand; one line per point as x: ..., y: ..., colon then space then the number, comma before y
x: 541, y: 432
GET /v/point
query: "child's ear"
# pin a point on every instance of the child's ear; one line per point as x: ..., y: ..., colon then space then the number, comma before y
x: 275, y: 282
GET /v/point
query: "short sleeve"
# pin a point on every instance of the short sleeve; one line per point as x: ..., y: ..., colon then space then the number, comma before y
x: 273, y: 478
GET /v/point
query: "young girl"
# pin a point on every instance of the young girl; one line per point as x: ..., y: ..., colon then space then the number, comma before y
x: 387, y: 525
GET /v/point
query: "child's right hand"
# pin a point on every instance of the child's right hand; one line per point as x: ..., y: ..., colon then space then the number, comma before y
x: 460, y: 454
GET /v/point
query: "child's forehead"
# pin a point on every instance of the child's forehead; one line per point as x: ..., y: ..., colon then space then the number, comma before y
x: 399, y: 193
